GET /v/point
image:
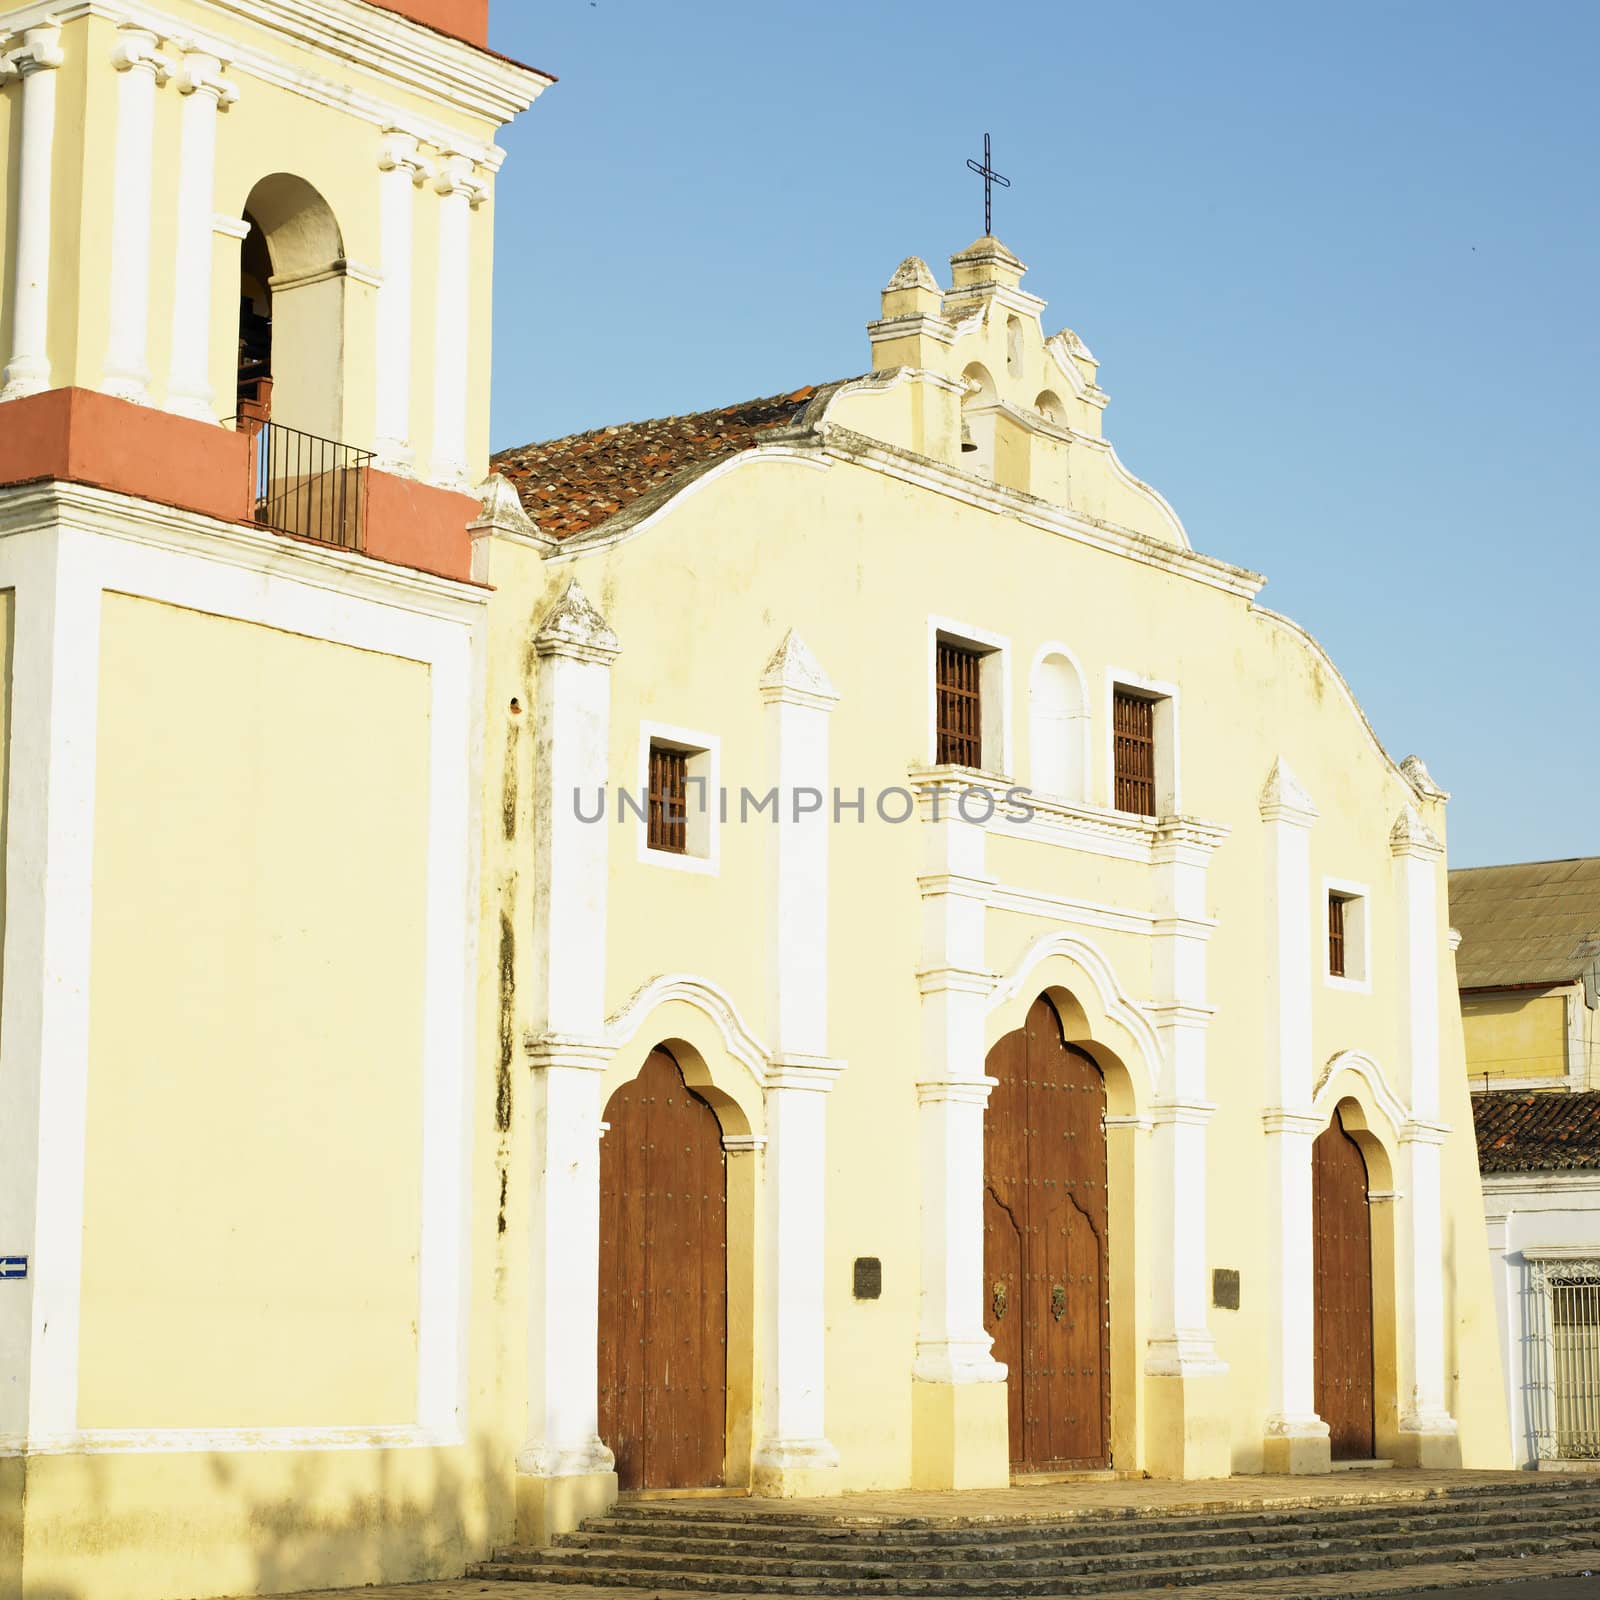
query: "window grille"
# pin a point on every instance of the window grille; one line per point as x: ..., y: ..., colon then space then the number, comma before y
x: 1575, y: 1362
x: 667, y: 824
x: 960, y: 706
x: 1336, y: 966
x: 1133, y: 719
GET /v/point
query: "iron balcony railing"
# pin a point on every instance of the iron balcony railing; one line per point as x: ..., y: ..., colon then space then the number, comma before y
x: 315, y: 488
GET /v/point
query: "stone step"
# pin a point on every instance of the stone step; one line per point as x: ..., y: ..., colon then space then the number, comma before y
x: 743, y: 1513
x: 1005, y: 1560
x: 897, y: 1543
x: 1096, y: 1578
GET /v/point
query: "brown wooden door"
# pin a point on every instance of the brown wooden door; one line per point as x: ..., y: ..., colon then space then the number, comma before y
x: 1342, y: 1266
x: 663, y: 1283
x: 1046, y: 1295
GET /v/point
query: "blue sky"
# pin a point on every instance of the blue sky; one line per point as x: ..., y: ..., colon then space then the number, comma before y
x: 1338, y: 262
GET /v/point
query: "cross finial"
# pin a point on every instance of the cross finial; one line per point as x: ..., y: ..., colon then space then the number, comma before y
x: 990, y: 177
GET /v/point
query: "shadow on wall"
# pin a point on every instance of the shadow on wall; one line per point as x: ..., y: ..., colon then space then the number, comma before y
x: 299, y: 1542
x: 420, y: 1515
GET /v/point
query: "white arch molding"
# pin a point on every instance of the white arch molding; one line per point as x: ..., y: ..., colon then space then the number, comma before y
x: 1115, y: 1003
x: 1367, y: 1069
x: 712, y: 999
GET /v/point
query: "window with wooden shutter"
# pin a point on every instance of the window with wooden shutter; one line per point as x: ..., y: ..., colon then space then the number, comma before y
x: 1336, y: 961
x: 960, y: 705
x: 1133, y: 720
x: 668, y: 816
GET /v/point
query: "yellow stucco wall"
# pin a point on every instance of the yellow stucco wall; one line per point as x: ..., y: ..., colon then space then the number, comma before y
x: 260, y: 847
x: 857, y: 562
x: 1514, y: 1036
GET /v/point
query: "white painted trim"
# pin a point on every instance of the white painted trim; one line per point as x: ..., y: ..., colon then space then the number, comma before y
x: 417, y: 60
x: 39, y: 54
x: 1360, y: 895
x: 1367, y: 1069
x: 1119, y: 1006
x: 226, y: 1441
x: 698, y: 743
x: 994, y: 686
x: 259, y: 583
x: 44, y: 1047
x: 704, y: 995
x: 1169, y: 749
x: 840, y: 445
x: 1077, y: 913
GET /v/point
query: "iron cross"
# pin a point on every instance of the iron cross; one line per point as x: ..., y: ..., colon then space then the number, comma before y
x: 990, y: 177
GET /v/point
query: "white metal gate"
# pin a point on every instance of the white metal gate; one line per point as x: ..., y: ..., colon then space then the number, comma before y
x: 1561, y: 1362
x: 1575, y: 1363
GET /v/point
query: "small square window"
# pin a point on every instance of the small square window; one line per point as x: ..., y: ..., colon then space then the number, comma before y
x: 677, y: 801
x: 1346, y: 935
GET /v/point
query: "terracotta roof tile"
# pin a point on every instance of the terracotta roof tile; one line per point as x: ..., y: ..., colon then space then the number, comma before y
x: 570, y: 485
x: 1521, y: 1132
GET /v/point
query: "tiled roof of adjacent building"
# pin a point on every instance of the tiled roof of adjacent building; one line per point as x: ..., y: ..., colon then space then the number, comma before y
x: 573, y: 484
x: 1519, y: 1132
x: 1533, y: 922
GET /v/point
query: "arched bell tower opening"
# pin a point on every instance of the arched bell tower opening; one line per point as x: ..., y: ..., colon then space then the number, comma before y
x: 292, y: 290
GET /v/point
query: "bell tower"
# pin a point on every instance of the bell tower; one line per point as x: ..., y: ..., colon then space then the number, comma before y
x: 235, y: 213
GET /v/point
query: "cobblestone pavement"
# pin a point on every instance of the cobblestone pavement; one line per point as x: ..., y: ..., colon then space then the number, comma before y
x: 1062, y: 1500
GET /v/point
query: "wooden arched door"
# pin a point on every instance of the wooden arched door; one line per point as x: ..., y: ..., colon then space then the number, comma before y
x: 1046, y: 1290
x: 663, y: 1283
x: 1341, y: 1255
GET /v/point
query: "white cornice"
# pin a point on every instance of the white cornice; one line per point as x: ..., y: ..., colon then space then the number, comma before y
x: 237, y: 544
x: 846, y: 445
x: 450, y: 73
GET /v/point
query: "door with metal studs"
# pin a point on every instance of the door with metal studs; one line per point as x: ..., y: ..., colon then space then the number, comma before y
x: 1046, y: 1290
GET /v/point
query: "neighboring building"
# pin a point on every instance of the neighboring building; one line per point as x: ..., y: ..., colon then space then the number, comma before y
x: 1119, y: 1123
x: 1540, y: 1156
x: 244, y: 1330
x: 1529, y: 969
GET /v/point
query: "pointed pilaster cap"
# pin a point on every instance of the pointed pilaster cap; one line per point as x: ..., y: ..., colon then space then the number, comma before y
x: 1285, y: 799
x: 574, y: 628
x: 1420, y: 779
x: 912, y: 273
x: 1411, y: 836
x: 793, y: 676
x: 504, y: 512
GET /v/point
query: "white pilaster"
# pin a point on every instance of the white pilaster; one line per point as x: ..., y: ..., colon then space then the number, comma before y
x: 205, y: 92
x: 140, y: 69
x: 575, y: 650
x: 44, y: 1047
x: 952, y: 1345
x: 401, y: 168
x: 459, y: 191
x: 799, y: 700
x: 28, y: 370
x: 1425, y: 1423
x: 1181, y: 1344
x: 1296, y: 1436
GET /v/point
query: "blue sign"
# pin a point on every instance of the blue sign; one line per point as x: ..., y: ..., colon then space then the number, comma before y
x: 13, y: 1266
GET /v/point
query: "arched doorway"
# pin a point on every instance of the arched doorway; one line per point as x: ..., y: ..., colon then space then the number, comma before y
x: 663, y: 1283
x: 1045, y: 1223
x: 1342, y: 1270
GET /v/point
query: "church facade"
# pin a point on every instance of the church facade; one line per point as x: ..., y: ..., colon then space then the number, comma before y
x: 810, y: 947
x: 1032, y: 916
